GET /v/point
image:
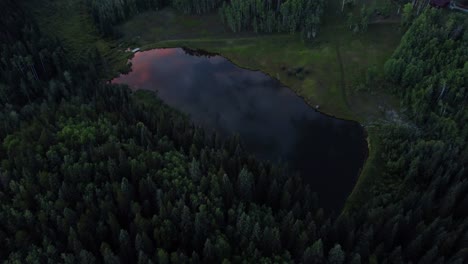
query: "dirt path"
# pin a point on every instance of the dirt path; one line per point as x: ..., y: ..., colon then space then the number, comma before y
x: 342, y: 76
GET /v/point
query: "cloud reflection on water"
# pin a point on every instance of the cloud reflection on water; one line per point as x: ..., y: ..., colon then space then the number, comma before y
x: 272, y: 121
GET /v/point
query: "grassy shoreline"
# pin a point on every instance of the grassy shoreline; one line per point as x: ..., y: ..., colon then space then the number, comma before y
x: 370, y: 171
x: 368, y: 174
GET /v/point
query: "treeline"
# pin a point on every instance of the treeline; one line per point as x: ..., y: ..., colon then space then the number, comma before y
x: 27, y: 59
x: 257, y: 15
x: 432, y: 80
x: 273, y: 16
x: 108, y: 13
x: 196, y: 6
x: 423, y: 216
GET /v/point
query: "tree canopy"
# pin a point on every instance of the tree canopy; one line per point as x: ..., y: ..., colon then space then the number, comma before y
x: 91, y: 172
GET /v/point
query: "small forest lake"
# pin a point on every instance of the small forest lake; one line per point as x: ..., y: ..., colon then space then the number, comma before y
x: 271, y: 120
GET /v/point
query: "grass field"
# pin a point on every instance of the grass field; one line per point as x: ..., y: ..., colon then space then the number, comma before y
x: 335, y: 62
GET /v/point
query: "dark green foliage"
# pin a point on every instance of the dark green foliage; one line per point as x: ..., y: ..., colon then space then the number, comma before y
x: 195, y: 6
x: 336, y: 255
x: 257, y: 15
x: 424, y: 220
x: 273, y: 16
x: 28, y: 60
x: 108, y: 13
x: 92, y: 173
x: 360, y: 23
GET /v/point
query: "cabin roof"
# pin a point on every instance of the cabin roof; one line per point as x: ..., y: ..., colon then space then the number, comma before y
x: 440, y: 3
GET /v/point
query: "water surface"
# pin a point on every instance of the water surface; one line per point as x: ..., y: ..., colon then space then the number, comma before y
x: 272, y: 121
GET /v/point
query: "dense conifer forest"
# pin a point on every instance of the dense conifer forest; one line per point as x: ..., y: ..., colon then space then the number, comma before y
x: 268, y: 16
x: 425, y: 219
x: 94, y: 173
x: 259, y: 15
x: 108, y: 13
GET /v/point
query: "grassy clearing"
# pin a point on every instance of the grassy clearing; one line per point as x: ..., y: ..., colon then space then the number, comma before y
x: 332, y: 66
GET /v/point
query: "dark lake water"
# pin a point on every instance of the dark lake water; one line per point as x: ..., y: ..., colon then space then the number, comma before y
x: 272, y: 121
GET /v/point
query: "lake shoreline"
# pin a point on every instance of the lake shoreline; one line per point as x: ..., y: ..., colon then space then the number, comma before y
x: 171, y: 90
x: 369, y: 151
